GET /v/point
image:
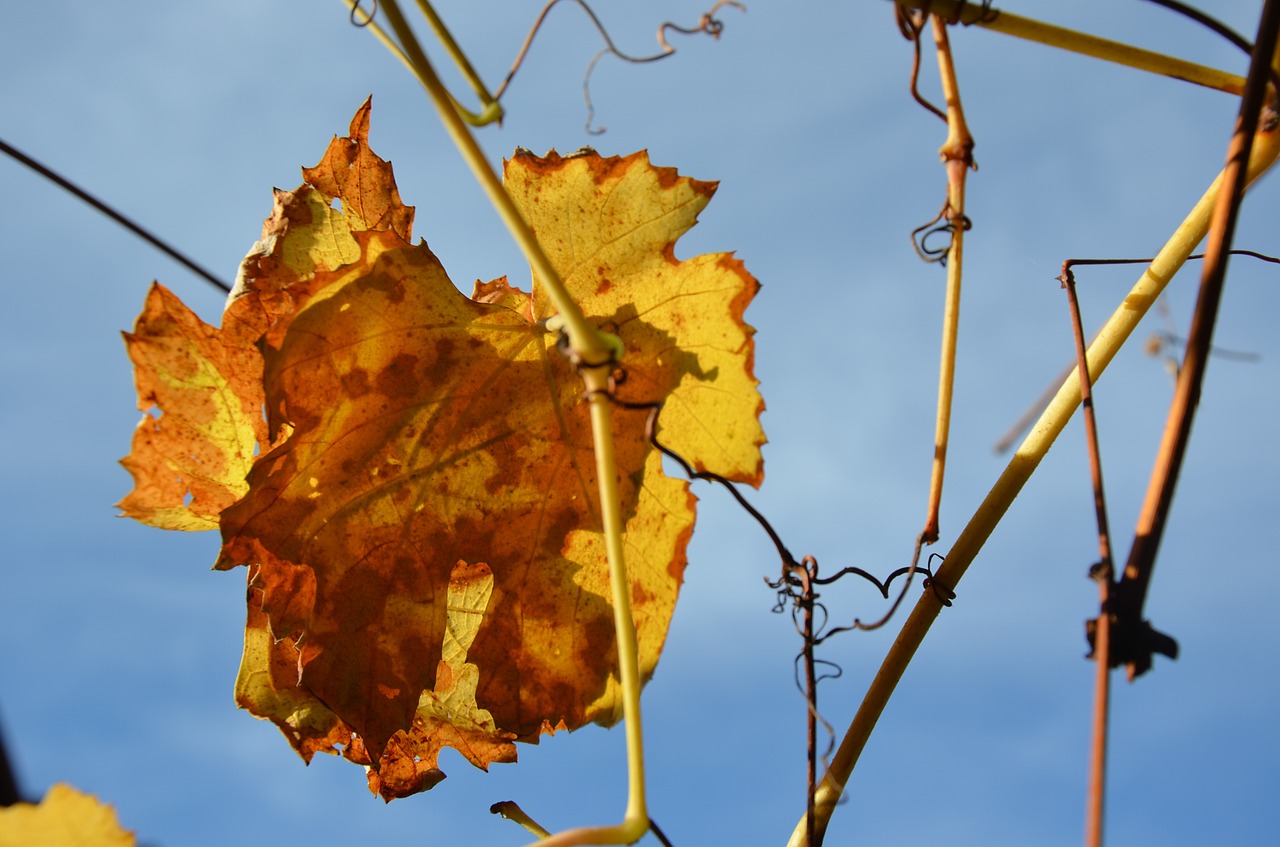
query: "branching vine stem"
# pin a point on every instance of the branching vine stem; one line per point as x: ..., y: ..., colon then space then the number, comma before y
x: 491, y: 111
x: 797, y: 583
x: 1024, y: 462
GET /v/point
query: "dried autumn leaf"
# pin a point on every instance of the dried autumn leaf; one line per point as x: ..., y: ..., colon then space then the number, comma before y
x: 418, y: 429
x: 64, y: 818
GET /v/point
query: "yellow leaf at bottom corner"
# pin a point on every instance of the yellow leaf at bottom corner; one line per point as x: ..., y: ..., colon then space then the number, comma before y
x: 65, y: 818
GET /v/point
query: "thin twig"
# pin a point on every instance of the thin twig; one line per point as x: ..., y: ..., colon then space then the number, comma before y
x: 1208, y: 22
x: 1096, y: 801
x: 10, y: 792
x: 707, y: 23
x: 811, y: 698
x: 118, y: 217
x: 910, y: 24
x: 658, y: 833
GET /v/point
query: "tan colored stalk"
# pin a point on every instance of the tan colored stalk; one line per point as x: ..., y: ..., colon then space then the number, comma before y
x: 635, y: 823
x: 957, y: 154
x: 1024, y: 462
x: 967, y: 13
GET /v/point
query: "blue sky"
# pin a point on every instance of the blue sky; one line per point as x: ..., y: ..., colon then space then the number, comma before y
x: 120, y: 646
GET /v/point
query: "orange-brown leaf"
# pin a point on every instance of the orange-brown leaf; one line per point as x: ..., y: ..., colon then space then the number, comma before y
x: 412, y: 430
x: 460, y: 436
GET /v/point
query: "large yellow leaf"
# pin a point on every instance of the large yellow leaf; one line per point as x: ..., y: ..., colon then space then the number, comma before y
x: 411, y: 429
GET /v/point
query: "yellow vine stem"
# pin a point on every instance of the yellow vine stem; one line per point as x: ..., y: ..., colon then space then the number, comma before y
x: 492, y: 111
x: 590, y: 345
x: 967, y: 12
x: 957, y: 153
x: 1024, y: 462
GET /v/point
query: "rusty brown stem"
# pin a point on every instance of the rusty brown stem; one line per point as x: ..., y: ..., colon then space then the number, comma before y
x: 1135, y: 641
x: 1096, y: 799
x: 1090, y: 420
x: 1103, y: 573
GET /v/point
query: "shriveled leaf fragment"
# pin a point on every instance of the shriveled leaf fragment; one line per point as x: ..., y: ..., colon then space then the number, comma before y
x: 65, y: 818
